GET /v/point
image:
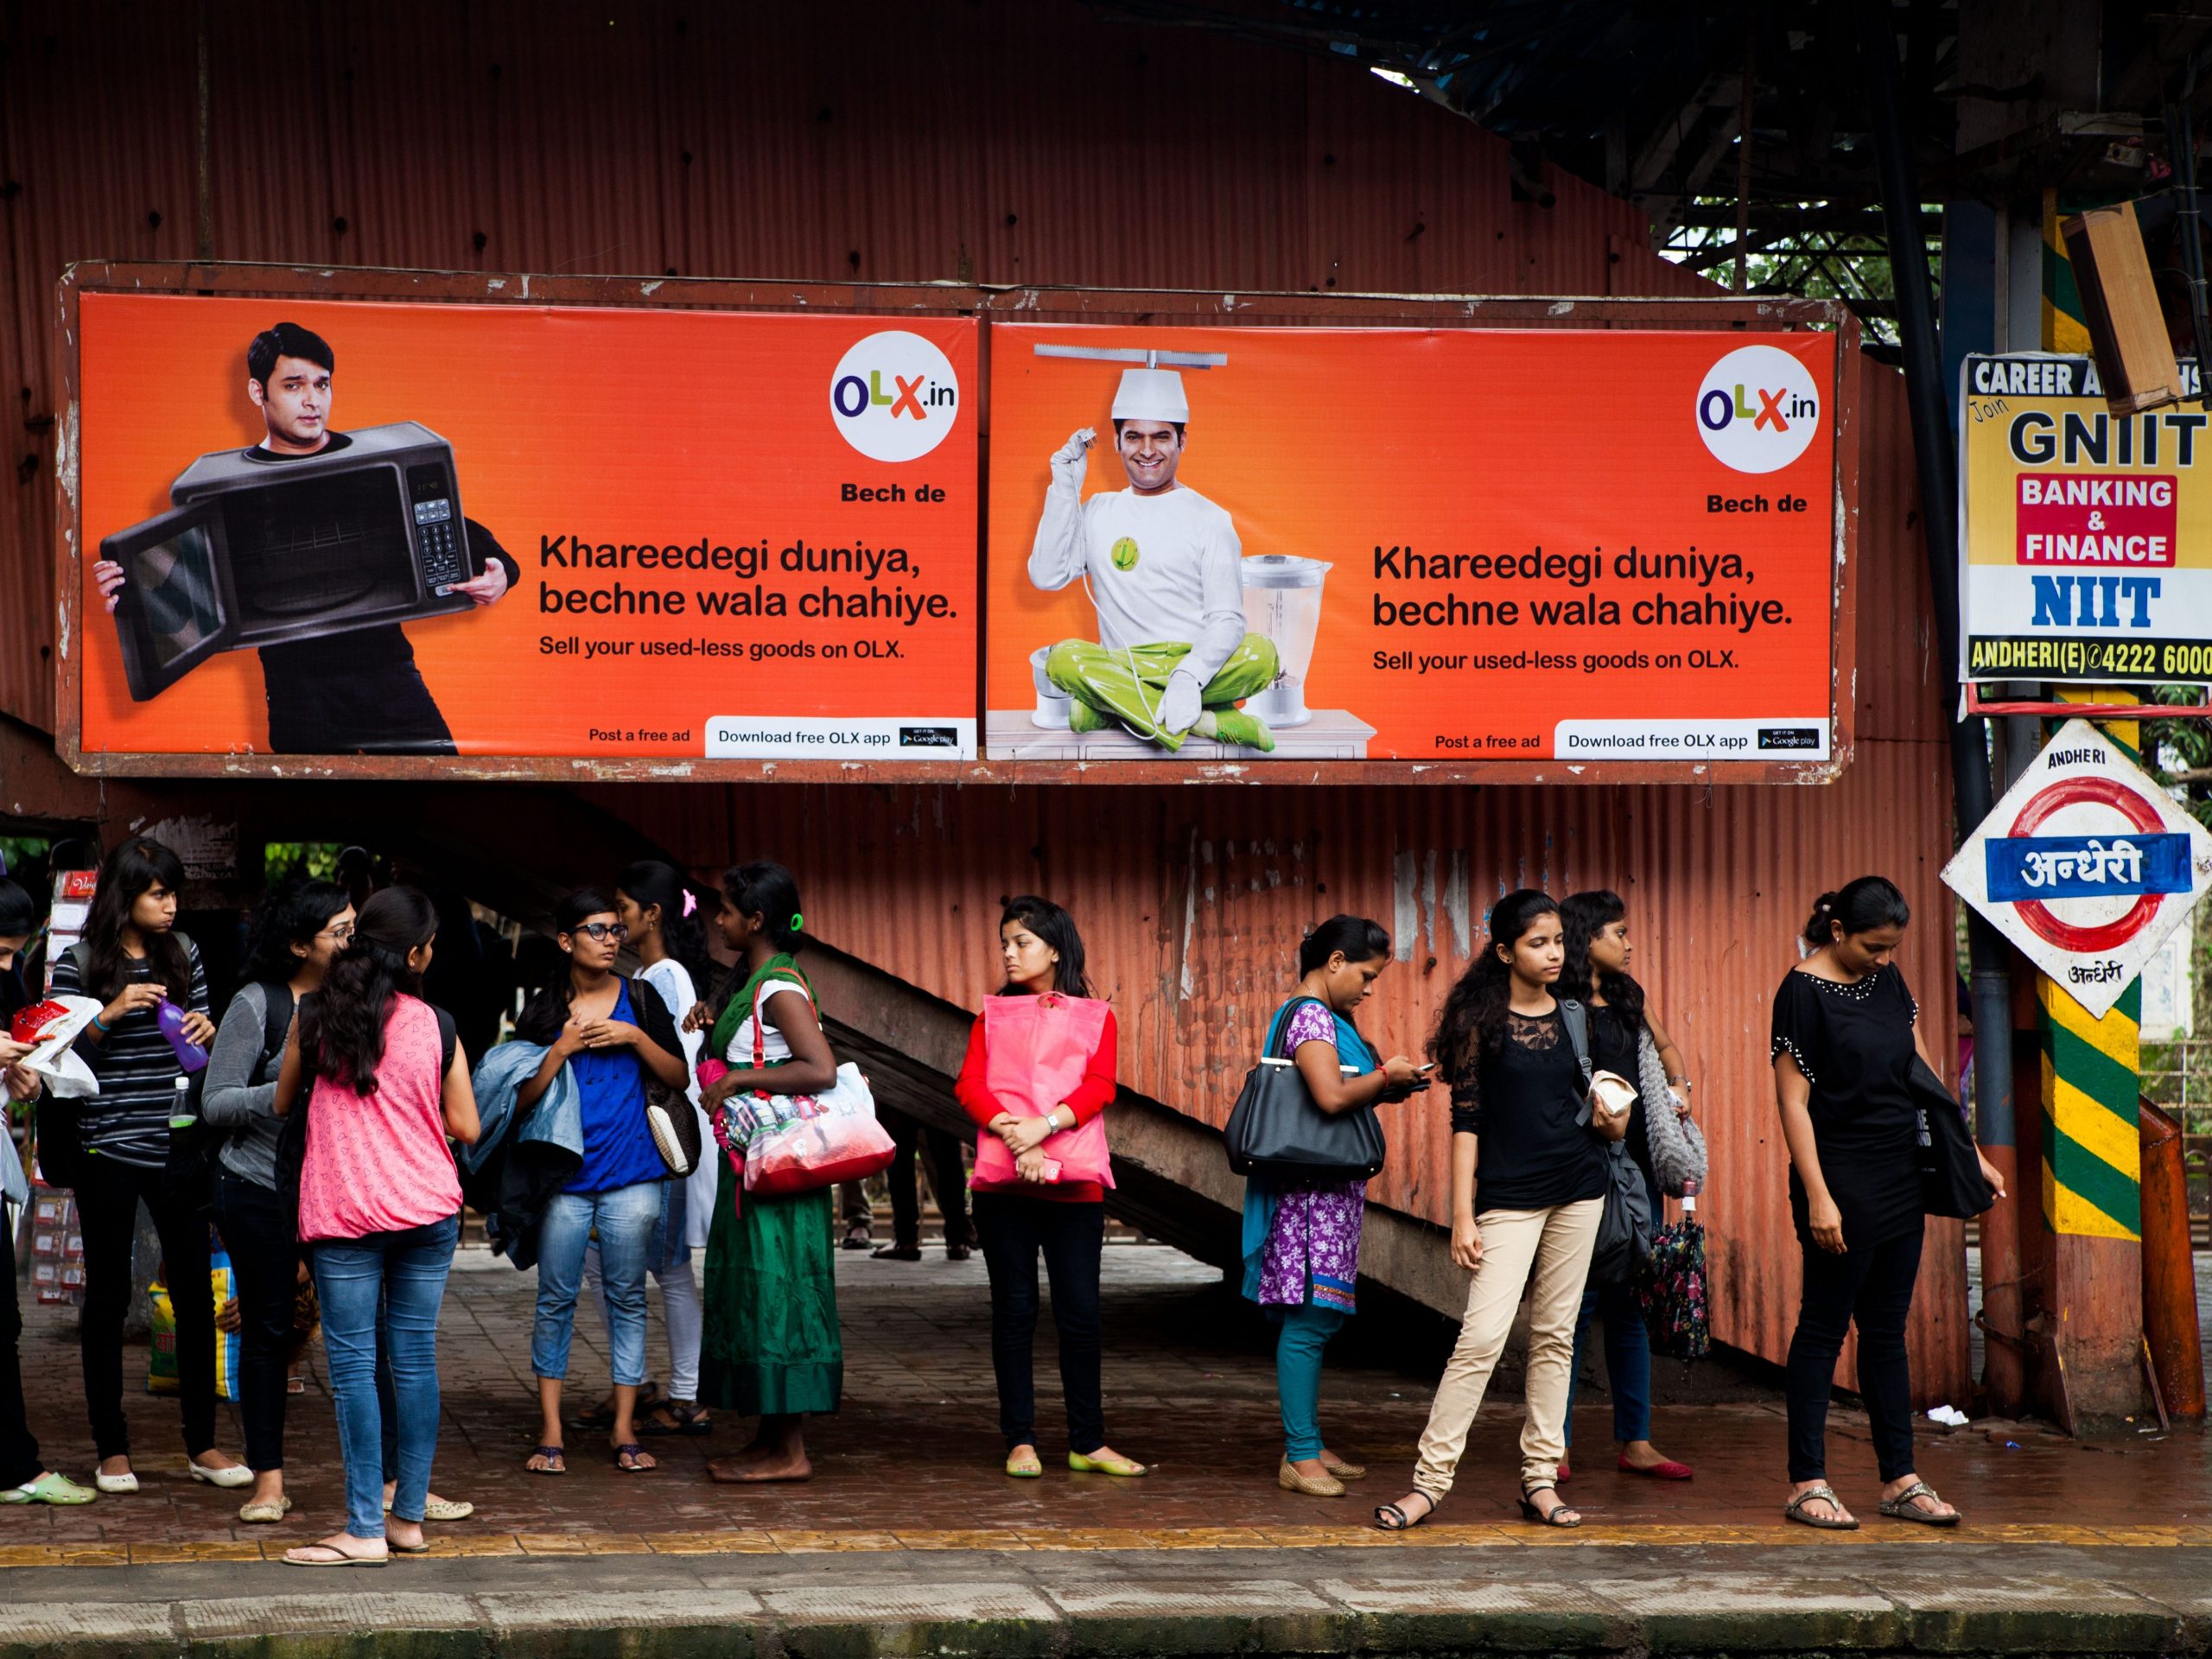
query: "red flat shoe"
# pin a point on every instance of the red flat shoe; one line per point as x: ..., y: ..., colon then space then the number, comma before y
x: 1667, y: 1471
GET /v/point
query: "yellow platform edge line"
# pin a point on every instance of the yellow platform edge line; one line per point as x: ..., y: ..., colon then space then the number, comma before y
x: 1506, y: 1535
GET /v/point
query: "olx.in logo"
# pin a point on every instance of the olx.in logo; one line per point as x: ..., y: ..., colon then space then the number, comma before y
x: 1757, y: 408
x: 893, y: 395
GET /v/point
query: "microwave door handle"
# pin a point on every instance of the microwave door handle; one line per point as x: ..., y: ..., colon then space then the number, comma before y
x: 147, y: 671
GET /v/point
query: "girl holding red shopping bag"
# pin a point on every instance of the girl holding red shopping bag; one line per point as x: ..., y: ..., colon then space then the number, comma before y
x: 1039, y: 1072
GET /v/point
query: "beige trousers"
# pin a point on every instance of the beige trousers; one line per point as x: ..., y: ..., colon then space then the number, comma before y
x: 1557, y: 1243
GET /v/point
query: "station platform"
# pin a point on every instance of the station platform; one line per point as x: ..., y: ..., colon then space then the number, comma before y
x: 909, y: 1538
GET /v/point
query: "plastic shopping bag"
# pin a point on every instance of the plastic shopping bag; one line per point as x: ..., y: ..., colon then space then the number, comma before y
x: 160, y: 1365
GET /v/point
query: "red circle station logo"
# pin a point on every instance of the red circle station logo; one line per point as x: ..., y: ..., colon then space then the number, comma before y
x: 2087, y: 806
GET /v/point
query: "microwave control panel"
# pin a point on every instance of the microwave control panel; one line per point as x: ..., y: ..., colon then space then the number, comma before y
x: 439, y: 535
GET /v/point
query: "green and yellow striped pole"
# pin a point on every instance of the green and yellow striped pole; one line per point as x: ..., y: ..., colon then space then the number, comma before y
x: 2092, y: 1181
x: 2064, y: 331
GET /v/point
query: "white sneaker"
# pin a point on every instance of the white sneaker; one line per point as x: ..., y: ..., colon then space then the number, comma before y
x: 123, y: 1484
x: 237, y: 1475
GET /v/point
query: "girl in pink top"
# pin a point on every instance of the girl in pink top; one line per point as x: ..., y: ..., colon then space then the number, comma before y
x: 384, y: 1084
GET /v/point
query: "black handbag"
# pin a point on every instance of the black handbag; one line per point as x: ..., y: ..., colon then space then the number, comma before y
x: 60, y: 1141
x: 1951, y: 1181
x: 1621, y: 1253
x: 1277, y: 1131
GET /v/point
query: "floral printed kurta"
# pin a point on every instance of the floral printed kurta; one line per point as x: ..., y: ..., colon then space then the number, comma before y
x: 1313, y: 1248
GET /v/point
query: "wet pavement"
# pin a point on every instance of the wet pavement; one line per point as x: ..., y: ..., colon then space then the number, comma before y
x: 915, y: 1454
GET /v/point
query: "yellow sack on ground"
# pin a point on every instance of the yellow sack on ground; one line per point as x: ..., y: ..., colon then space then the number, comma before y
x: 160, y: 1366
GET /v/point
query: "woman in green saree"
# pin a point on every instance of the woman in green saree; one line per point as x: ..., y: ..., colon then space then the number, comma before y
x: 772, y: 1346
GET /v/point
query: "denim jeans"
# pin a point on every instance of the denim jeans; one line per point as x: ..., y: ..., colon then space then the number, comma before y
x: 623, y: 1219
x: 1870, y: 1287
x: 404, y: 1273
x: 1628, y: 1359
x: 1305, y: 1332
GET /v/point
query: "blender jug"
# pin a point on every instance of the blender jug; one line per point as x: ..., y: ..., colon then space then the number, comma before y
x: 1282, y: 602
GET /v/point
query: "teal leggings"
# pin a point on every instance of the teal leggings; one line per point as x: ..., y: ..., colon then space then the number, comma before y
x: 1306, y: 1333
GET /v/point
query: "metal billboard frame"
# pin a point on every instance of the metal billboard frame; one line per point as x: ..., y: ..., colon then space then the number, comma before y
x: 1183, y: 308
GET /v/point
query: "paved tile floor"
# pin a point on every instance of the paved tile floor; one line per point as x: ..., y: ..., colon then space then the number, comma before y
x: 912, y: 1459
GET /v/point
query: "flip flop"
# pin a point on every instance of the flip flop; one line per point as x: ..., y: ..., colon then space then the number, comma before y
x: 1794, y: 1510
x: 326, y: 1555
x: 1122, y: 1468
x: 551, y: 1453
x: 422, y: 1549
x: 1900, y: 1508
x: 632, y: 1451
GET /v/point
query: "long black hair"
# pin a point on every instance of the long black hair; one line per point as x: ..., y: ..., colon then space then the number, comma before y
x: 1870, y: 902
x: 291, y: 913
x: 133, y: 868
x: 1583, y: 914
x: 1360, y: 939
x: 763, y: 888
x: 543, y: 1016
x: 18, y: 911
x: 1473, y: 1020
x: 650, y: 883
x: 342, y: 1026
x: 1057, y: 928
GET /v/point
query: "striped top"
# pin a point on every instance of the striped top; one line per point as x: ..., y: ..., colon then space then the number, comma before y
x: 129, y: 1119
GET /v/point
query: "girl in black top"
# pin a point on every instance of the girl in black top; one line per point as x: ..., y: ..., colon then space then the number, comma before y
x: 1517, y: 1091
x: 131, y: 960
x: 1845, y: 1035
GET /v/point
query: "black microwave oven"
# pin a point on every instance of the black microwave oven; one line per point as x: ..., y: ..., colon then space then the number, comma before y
x: 262, y: 551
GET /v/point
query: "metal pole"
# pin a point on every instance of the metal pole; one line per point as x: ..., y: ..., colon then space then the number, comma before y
x: 1989, y: 976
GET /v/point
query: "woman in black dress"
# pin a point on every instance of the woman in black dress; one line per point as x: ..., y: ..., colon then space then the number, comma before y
x: 1845, y: 1035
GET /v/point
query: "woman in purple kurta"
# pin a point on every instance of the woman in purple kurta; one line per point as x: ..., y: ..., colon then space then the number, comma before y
x: 1301, y: 1243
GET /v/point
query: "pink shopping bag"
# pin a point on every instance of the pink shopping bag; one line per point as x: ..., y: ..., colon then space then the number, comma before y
x: 1037, y: 1049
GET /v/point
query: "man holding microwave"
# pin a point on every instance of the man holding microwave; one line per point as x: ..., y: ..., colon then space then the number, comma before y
x: 359, y: 694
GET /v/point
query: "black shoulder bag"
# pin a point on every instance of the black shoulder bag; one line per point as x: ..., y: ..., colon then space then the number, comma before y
x: 1623, y: 1253
x: 1277, y: 1131
x: 670, y: 1114
x: 1951, y: 1182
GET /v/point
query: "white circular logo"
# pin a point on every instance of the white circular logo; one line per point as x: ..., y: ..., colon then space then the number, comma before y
x: 894, y: 396
x: 1757, y: 408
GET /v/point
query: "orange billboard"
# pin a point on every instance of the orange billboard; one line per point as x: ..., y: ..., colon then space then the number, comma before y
x: 309, y: 526
x: 1309, y: 543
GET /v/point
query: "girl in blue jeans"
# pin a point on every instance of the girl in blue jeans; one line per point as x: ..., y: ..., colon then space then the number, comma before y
x: 384, y: 1083
x: 611, y: 1033
x: 1301, y: 1243
x: 1598, y: 951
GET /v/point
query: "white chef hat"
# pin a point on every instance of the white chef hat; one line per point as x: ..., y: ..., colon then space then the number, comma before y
x: 1150, y: 394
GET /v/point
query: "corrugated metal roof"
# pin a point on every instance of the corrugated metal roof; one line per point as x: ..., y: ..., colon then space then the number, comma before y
x: 997, y: 141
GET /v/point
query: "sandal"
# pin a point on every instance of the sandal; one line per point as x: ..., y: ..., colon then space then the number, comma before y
x: 329, y: 1555
x: 1794, y: 1510
x: 602, y: 1415
x: 1559, y: 1515
x: 858, y: 1237
x: 1126, y: 1468
x: 683, y: 1417
x: 548, y: 1460
x: 1904, y: 1507
x: 49, y: 1488
x: 1392, y: 1517
x: 633, y: 1459
x: 895, y: 1253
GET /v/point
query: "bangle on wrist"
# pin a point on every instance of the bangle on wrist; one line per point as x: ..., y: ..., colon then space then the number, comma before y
x: 101, y: 1023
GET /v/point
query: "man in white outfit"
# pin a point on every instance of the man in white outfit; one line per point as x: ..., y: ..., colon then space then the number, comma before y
x: 1173, y: 656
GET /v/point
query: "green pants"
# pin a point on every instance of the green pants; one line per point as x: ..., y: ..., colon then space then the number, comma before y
x: 1100, y: 679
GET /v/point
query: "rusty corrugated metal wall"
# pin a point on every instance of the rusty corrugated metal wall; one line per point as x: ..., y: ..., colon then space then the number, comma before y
x: 1192, y: 901
x: 1002, y: 141
x: 998, y: 142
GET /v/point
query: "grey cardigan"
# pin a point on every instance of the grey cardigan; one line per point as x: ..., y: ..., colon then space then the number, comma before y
x: 232, y: 1100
